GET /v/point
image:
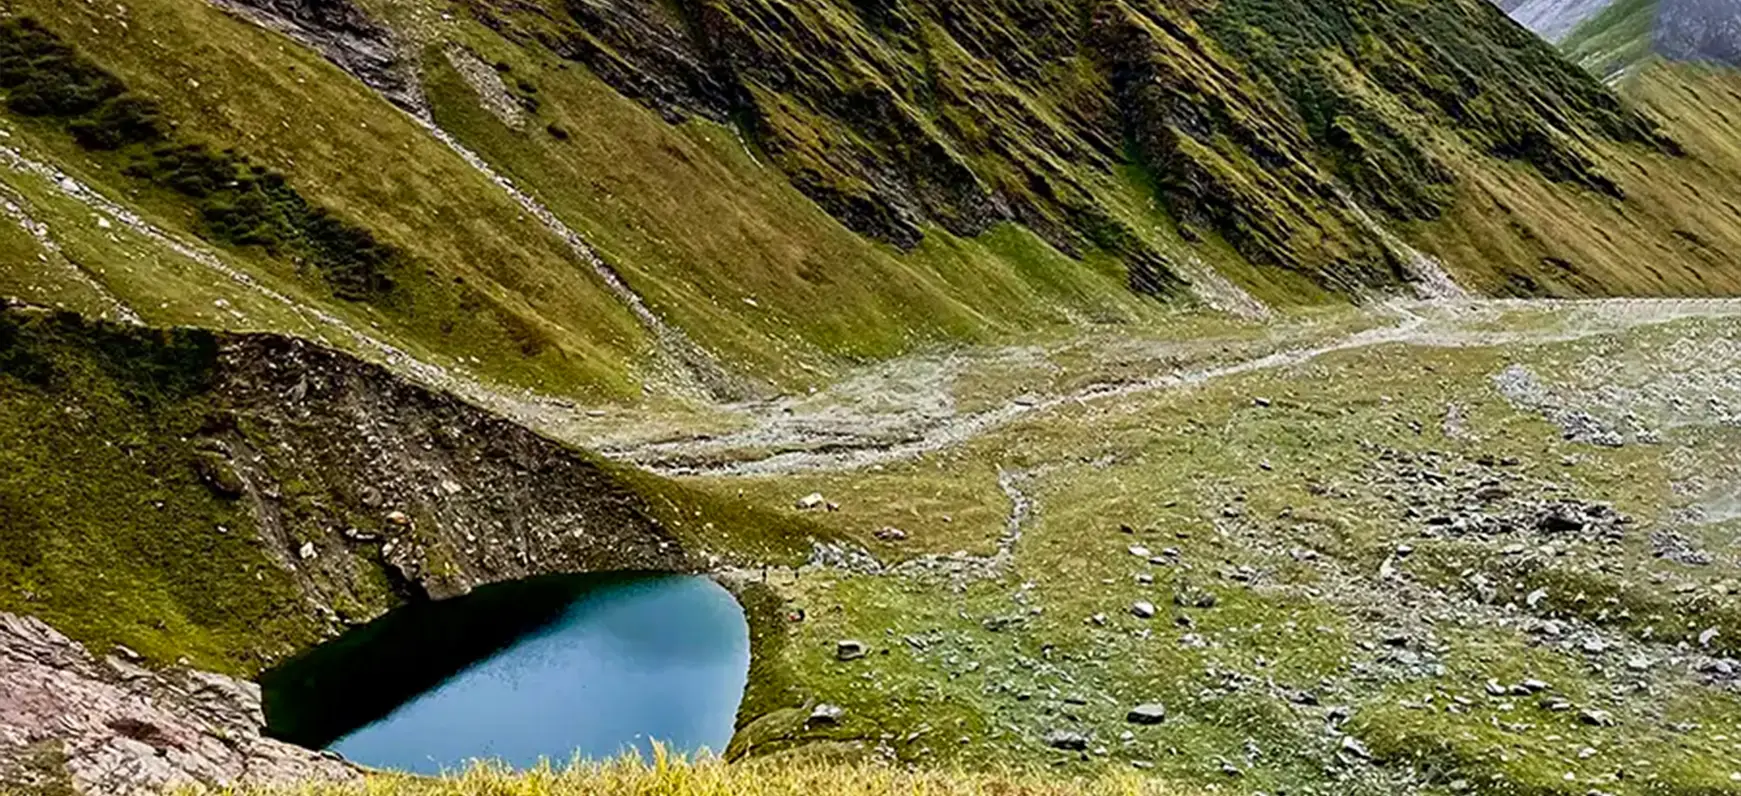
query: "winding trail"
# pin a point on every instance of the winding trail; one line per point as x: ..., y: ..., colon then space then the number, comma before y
x: 780, y: 442
x: 429, y: 374
x: 16, y: 207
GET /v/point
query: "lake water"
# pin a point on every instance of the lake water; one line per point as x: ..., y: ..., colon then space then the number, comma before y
x: 546, y: 669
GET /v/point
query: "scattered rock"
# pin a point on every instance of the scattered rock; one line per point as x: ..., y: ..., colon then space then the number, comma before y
x: 1722, y: 667
x: 850, y: 649
x: 1142, y: 609
x: 891, y: 534
x: 1677, y: 548
x: 825, y: 713
x: 1148, y: 713
x: 812, y: 501
x: 1068, y: 740
x: 1191, y: 597
x: 1596, y: 717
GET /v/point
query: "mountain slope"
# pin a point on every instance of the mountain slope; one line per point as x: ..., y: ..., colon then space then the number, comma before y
x: 1608, y: 36
x: 1079, y: 315
x: 667, y: 193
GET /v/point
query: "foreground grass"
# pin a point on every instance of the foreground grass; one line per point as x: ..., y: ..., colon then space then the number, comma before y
x: 768, y: 777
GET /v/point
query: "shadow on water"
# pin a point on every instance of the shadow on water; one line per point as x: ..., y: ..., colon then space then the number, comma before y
x: 544, y: 667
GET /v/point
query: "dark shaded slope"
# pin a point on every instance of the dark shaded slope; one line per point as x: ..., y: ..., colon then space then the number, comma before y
x: 1247, y: 113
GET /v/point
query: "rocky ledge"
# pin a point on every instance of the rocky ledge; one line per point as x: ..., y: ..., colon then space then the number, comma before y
x: 71, y: 722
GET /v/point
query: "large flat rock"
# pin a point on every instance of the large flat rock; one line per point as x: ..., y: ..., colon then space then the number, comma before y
x: 113, y: 728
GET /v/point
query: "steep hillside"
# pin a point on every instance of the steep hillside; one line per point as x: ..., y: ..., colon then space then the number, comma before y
x: 1252, y: 123
x: 1208, y: 354
x: 238, y: 497
x: 616, y: 200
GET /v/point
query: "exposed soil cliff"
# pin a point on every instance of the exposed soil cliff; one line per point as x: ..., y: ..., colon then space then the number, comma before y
x: 238, y: 498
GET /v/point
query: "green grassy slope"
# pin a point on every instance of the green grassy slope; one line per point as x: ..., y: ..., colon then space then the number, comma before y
x: 1086, y: 174
x: 1616, y: 38
x: 480, y: 283
x: 1235, y: 117
x: 477, y: 278
x: 743, y: 259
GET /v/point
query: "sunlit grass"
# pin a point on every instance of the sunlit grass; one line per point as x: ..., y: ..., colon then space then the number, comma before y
x: 670, y: 775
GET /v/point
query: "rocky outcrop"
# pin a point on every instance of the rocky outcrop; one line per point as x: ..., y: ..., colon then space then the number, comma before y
x: 1553, y: 20
x: 437, y: 494
x: 71, y: 722
x: 903, y: 114
x: 351, y: 489
x: 345, y: 35
x: 1699, y: 30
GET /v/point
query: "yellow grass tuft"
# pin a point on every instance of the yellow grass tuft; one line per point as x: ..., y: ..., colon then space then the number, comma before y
x: 671, y: 775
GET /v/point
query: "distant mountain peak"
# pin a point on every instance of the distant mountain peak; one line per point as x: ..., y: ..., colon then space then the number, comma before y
x: 1608, y: 36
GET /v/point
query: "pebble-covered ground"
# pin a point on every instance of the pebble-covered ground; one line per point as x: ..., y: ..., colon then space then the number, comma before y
x: 1495, y: 553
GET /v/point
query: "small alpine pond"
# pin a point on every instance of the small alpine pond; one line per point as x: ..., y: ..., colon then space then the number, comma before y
x: 547, y: 668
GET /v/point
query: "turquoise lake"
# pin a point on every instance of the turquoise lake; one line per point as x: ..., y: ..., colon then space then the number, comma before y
x: 585, y: 666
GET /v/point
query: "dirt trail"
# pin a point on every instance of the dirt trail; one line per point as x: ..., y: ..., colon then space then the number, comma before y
x: 781, y: 438
x: 401, y: 361
x: 16, y: 207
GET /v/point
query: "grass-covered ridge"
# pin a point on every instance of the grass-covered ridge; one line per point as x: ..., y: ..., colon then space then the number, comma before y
x: 1617, y: 38
x: 1245, y: 116
x: 238, y: 201
x: 161, y: 493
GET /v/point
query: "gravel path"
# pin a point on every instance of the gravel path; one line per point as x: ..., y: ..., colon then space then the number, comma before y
x: 783, y: 438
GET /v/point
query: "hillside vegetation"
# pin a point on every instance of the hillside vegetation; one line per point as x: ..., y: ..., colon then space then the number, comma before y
x: 929, y: 173
x: 1201, y: 355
